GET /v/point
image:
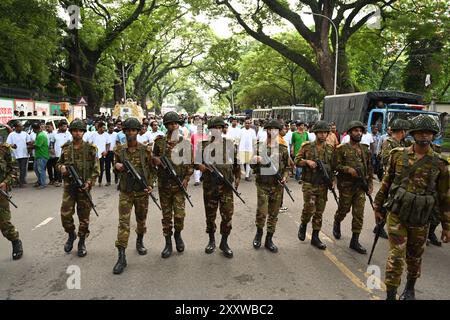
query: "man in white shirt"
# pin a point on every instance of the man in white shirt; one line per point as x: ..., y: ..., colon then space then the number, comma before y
x: 246, y: 141
x: 143, y: 136
x: 262, y: 134
x: 366, y: 139
x: 62, y: 136
x: 100, y: 140
x: 18, y: 140
x: 51, y: 163
x: 234, y: 132
x: 154, y: 132
x: 112, y: 141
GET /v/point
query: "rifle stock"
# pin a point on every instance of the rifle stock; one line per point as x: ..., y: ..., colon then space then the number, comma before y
x: 79, y: 184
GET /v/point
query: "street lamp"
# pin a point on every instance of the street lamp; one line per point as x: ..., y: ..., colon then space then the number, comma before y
x: 337, y: 45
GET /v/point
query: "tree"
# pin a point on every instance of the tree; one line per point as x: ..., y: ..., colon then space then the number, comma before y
x: 102, y: 24
x: 28, y: 43
x: 265, y: 71
x: 255, y: 15
x: 219, y: 69
x: 190, y: 100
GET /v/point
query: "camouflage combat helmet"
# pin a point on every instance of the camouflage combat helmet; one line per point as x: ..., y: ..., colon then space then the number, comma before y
x: 424, y: 123
x: 77, y: 125
x: 355, y: 124
x: 321, y: 126
x: 216, y: 122
x: 132, y: 123
x: 273, y: 124
x: 171, y: 116
x: 400, y: 124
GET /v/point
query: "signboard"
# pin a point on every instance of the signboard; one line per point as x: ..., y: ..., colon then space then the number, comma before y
x: 6, y: 110
x: 55, y: 109
x: 24, y: 105
x: 78, y: 112
x: 82, y: 101
x: 42, y: 108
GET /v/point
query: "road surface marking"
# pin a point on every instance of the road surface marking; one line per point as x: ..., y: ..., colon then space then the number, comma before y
x: 343, y: 268
x: 43, y: 223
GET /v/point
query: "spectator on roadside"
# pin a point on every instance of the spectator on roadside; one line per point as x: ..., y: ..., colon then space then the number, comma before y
x: 112, y: 140
x: 41, y: 155
x: 101, y: 140
x: 18, y: 140
x: 51, y: 163
x: 297, y: 140
x: 62, y: 136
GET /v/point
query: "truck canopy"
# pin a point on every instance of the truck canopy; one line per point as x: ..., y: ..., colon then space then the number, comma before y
x: 344, y: 108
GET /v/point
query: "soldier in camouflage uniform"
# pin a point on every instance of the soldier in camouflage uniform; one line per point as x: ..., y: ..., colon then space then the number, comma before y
x: 350, y: 158
x: 7, y: 178
x: 132, y: 193
x: 220, y: 152
x: 269, y: 190
x: 414, y: 188
x: 314, y: 189
x: 178, y: 151
x: 397, y: 139
x: 83, y: 156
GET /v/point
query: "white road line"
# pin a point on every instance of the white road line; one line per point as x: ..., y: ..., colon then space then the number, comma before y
x: 43, y: 223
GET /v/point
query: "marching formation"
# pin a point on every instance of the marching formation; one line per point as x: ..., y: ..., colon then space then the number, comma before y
x: 413, y: 194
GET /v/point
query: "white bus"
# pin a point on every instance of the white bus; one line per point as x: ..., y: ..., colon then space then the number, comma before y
x: 302, y: 113
x: 261, y: 114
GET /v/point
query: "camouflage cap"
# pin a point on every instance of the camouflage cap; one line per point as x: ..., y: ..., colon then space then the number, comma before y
x: 400, y: 124
x: 424, y: 122
x: 132, y: 123
x: 321, y: 126
x: 216, y: 122
x: 171, y: 116
x: 273, y: 124
x: 77, y: 125
x: 355, y: 124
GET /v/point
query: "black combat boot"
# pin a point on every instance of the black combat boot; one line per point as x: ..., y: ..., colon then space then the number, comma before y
x: 409, y: 292
x: 391, y: 293
x: 17, y: 249
x: 168, y: 248
x: 121, y: 262
x: 269, y: 244
x: 69, y: 244
x: 258, y: 237
x: 355, y: 245
x: 302, y: 232
x: 383, y: 233
x: 315, y: 240
x: 224, y: 247
x: 179, y: 244
x: 337, y: 229
x: 211, y: 244
x: 82, y: 252
x: 140, y: 245
x: 432, y: 236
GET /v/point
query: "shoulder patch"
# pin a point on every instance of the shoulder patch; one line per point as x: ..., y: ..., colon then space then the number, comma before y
x: 306, y: 143
x: 397, y: 150
x: 66, y: 144
x: 340, y: 145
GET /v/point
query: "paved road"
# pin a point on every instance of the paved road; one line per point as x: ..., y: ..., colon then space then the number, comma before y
x: 298, y: 271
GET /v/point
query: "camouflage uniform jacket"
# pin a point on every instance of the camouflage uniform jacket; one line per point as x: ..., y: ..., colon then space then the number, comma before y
x: 183, y: 170
x: 309, y: 151
x: 229, y: 165
x: 84, y: 159
x: 7, y: 167
x: 266, y: 178
x: 141, y: 159
x: 348, y: 157
x: 432, y: 175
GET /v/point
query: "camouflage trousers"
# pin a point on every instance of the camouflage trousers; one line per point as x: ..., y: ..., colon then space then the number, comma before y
x: 314, y: 199
x: 68, y: 210
x: 126, y: 202
x: 354, y: 200
x: 269, y: 203
x: 405, y: 242
x: 218, y: 197
x: 7, y: 228
x: 173, y: 208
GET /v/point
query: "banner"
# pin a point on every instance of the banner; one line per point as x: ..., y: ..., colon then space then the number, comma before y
x: 42, y: 108
x: 24, y: 105
x: 55, y: 109
x: 6, y: 110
